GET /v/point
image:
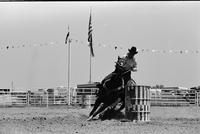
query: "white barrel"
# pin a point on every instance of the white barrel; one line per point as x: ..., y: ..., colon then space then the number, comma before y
x: 137, y: 102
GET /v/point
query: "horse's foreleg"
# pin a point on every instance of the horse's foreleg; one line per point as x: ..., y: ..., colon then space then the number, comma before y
x: 101, y: 107
x: 96, y: 105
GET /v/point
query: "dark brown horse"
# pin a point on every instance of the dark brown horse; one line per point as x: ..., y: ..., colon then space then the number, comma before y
x: 111, y: 89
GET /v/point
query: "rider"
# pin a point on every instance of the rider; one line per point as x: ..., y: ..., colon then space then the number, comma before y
x: 123, y: 67
x: 111, y: 86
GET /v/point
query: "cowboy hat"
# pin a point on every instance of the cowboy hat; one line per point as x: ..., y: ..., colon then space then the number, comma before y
x: 132, y: 52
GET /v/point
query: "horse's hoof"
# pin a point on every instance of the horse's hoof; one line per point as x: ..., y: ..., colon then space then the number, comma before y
x: 90, y: 118
x: 100, y: 115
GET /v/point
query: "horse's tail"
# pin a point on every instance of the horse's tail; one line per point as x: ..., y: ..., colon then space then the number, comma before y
x: 101, y: 91
x: 99, y: 85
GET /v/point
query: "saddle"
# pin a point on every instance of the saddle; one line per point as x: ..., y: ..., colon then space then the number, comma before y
x: 111, y: 83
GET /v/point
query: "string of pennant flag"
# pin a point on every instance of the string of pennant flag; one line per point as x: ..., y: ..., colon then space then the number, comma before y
x: 114, y: 47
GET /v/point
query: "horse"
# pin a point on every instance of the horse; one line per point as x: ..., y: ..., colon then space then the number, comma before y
x: 112, y: 87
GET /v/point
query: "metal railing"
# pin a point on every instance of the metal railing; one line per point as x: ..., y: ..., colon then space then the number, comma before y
x: 32, y: 99
x: 175, y: 99
x: 45, y: 99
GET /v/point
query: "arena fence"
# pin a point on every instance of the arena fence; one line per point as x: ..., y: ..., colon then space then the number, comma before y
x: 22, y: 99
x: 86, y: 98
x: 175, y: 98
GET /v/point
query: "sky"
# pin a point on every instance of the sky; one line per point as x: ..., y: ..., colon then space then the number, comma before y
x: 146, y: 25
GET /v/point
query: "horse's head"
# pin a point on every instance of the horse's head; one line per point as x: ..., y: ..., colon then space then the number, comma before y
x: 128, y: 62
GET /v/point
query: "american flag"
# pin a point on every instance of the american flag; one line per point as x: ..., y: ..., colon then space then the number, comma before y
x: 90, y: 36
x: 66, y: 39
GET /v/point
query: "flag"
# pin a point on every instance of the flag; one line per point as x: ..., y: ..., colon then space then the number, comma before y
x: 90, y: 36
x: 66, y: 39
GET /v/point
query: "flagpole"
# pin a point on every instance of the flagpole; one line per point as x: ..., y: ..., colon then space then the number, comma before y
x: 90, y: 44
x: 90, y: 68
x: 68, y: 72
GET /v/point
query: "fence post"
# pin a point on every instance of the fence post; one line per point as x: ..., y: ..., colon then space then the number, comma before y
x: 54, y: 98
x: 69, y: 97
x: 197, y: 98
x: 176, y: 99
x: 47, y: 99
x: 27, y: 98
x: 3, y: 97
x: 155, y: 98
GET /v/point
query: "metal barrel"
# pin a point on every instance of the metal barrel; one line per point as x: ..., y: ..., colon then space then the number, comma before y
x: 137, y: 102
x: 88, y: 101
x: 84, y: 97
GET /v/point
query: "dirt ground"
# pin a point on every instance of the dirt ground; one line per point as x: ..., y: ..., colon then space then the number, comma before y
x: 69, y: 120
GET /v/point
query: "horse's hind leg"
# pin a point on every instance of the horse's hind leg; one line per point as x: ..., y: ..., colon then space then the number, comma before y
x: 121, y: 107
x: 110, y: 107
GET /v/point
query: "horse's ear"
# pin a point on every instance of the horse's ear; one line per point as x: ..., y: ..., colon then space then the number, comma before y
x: 119, y: 58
